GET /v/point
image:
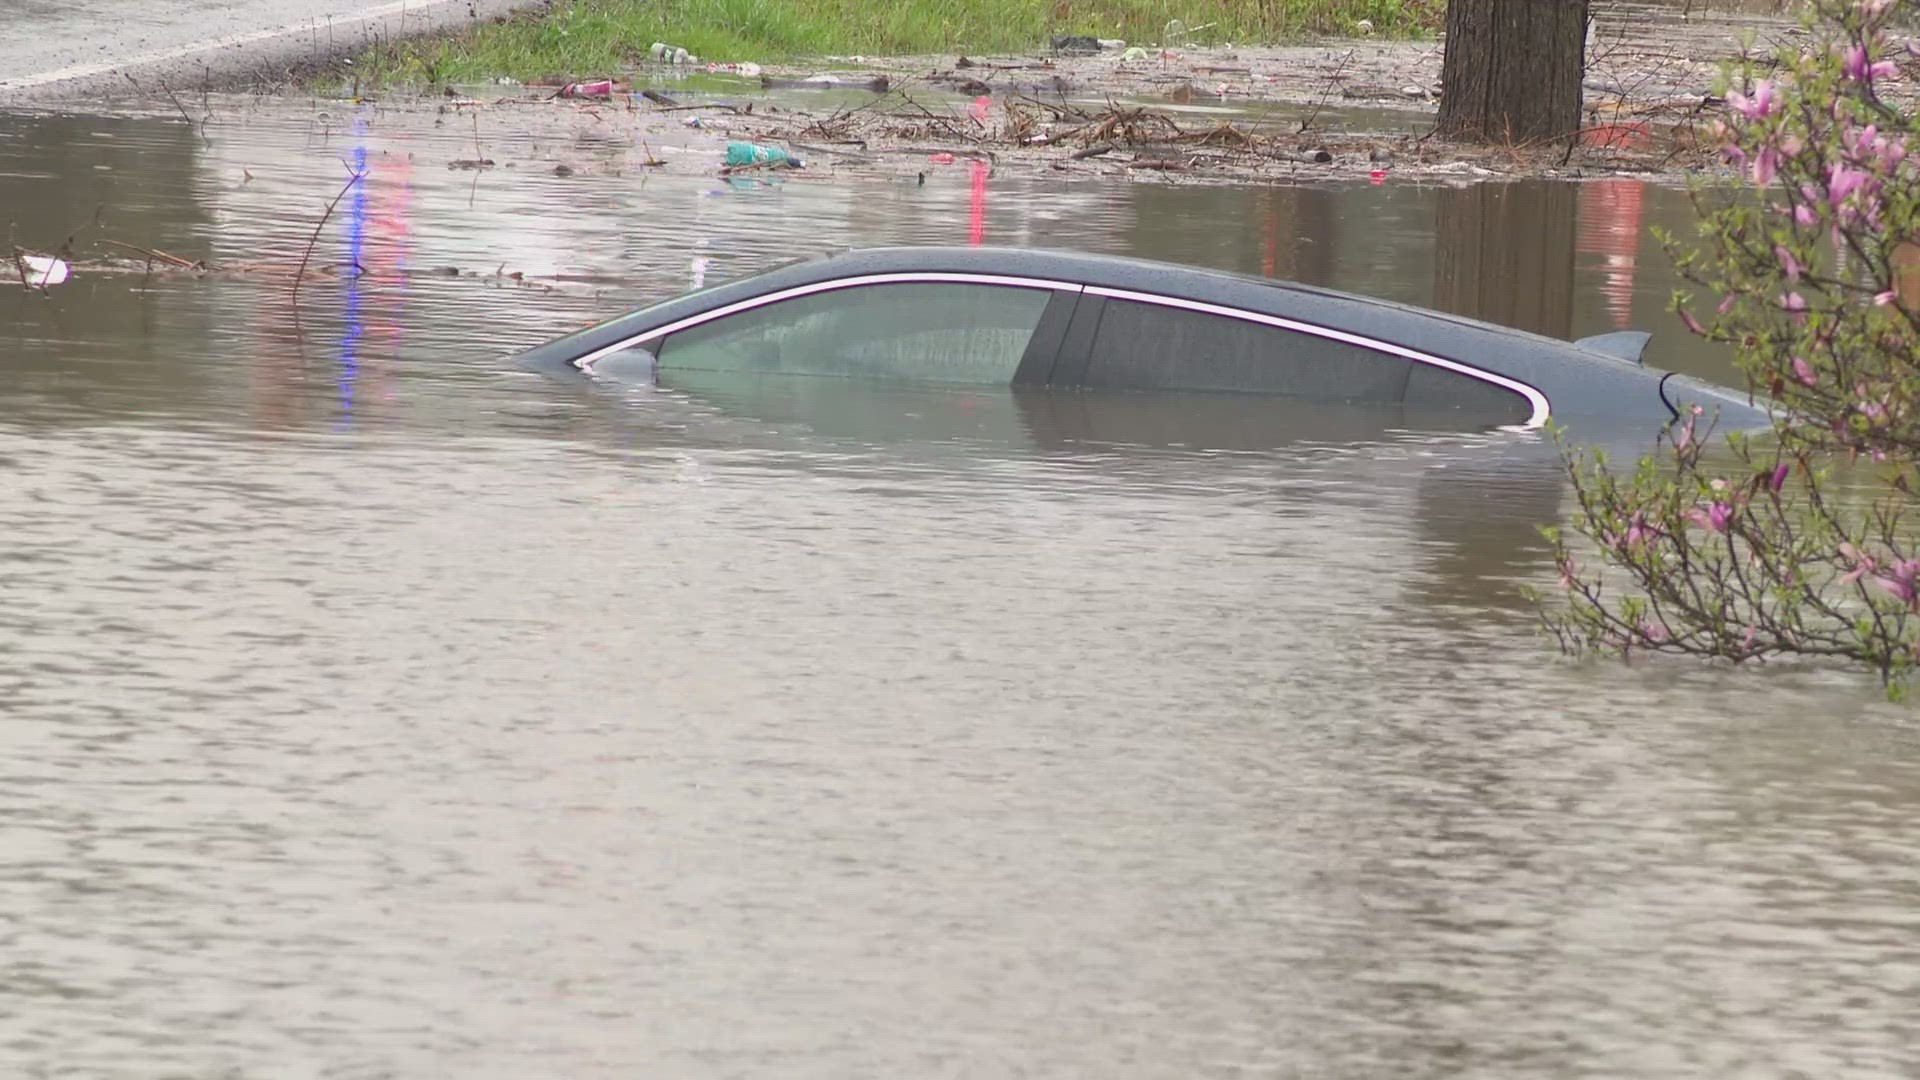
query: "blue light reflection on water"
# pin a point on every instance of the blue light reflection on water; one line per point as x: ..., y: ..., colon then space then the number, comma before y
x: 355, y: 320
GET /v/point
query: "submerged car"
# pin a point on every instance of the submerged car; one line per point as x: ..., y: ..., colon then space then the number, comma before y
x: 1027, y: 318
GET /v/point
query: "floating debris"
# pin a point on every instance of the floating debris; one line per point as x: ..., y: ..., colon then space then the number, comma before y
x: 746, y: 155
x: 602, y: 88
x: 664, y: 53
x: 41, y: 271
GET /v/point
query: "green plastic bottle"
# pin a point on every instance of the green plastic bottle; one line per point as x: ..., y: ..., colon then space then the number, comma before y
x: 746, y: 153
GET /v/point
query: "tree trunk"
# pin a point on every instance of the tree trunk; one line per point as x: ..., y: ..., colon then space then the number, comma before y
x: 1513, y: 70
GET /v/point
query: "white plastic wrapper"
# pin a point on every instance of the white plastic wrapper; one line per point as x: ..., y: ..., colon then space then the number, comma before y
x: 44, y: 271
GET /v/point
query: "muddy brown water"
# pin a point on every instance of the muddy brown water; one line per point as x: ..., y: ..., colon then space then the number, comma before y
x: 373, y: 709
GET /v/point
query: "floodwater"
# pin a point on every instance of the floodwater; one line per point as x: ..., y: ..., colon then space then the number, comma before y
x: 373, y: 709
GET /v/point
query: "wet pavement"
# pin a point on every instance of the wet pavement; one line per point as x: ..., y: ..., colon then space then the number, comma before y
x: 87, y: 48
x: 375, y: 709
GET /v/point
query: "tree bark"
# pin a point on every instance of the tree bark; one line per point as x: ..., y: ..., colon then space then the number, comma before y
x: 1513, y: 70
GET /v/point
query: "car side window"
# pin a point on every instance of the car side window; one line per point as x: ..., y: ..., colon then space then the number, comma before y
x: 1437, y: 389
x: 955, y: 332
x: 1154, y: 347
x: 1157, y: 347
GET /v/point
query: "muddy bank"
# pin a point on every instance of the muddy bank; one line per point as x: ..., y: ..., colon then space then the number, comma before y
x: 1337, y: 109
x: 1332, y: 109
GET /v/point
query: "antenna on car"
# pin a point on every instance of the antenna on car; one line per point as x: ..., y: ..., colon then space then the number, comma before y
x: 1663, y: 395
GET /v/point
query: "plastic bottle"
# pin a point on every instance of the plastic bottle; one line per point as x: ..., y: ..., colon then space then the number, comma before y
x: 740, y: 154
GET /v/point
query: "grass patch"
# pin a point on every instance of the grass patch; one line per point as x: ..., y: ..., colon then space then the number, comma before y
x: 584, y: 38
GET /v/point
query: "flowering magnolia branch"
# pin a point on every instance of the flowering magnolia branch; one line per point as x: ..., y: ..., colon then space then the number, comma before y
x: 1795, y: 544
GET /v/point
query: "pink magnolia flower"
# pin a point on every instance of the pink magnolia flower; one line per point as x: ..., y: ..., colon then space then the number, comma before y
x: 1692, y: 323
x: 1794, y: 302
x: 1859, y: 563
x: 1766, y: 165
x: 1788, y: 263
x: 1718, y: 516
x: 1901, y: 589
x: 1901, y: 581
x: 1779, y: 478
x: 1857, y: 63
x: 1843, y: 182
x: 1886, y: 299
x: 1758, y: 106
x: 1804, y: 372
x: 1685, y: 438
x: 1806, y: 215
x: 1638, y: 531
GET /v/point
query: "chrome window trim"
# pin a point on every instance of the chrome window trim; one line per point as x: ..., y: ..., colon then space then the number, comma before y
x: 1541, y: 408
x: 585, y: 363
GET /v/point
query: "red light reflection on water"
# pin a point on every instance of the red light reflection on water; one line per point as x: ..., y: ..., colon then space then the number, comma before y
x: 977, y: 202
x: 1610, y: 226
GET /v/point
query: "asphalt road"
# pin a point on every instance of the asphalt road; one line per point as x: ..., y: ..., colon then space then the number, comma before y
x: 66, y: 48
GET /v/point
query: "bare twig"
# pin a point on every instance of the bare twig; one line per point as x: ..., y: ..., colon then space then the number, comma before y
x: 156, y: 253
x: 199, y: 126
x: 66, y: 246
x: 960, y: 152
x: 352, y: 179
x: 1332, y: 81
x: 19, y: 260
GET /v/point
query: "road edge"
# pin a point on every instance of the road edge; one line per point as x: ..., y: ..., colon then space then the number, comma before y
x: 258, y: 59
